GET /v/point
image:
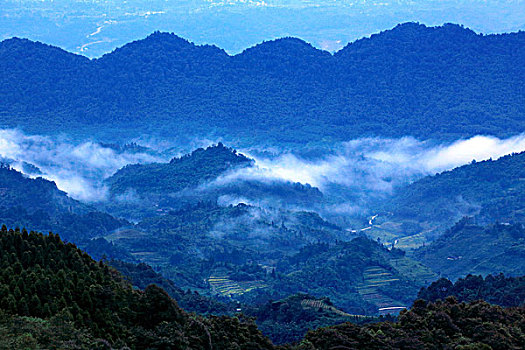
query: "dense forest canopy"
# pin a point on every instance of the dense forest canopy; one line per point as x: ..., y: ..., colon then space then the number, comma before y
x: 64, y: 299
x: 39, y: 203
x: 497, y: 289
x: 180, y: 173
x: 216, y: 250
x: 467, y: 248
x: 53, y: 295
x: 282, y: 91
x: 144, y: 190
x: 490, y: 191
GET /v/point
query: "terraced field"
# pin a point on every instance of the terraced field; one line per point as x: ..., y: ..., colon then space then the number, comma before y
x: 224, y: 286
x: 374, y: 277
x: 319, y: 304
x: 390, y: 232
x: 414, y: 270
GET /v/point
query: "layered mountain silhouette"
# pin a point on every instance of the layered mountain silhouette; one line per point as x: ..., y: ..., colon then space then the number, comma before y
x: 437, y: 82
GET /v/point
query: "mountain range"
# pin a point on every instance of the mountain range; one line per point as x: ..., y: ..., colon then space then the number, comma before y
x: 429, y: 82
x: 216, y: 248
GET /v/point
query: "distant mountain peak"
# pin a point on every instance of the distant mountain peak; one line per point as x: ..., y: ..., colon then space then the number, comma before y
x: 28, y: 48
x: 416, y: 26
x: 165, y: 44
x: 283, y: 47
x: 213, y: 152
x: 411, y: 34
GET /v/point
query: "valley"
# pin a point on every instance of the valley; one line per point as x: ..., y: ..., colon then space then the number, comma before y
x: 171, y: 195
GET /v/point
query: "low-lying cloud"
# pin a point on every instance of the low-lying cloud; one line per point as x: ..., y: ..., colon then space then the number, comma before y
x: 76, y: 168
x: 374, y: 164
x: 357, y: 169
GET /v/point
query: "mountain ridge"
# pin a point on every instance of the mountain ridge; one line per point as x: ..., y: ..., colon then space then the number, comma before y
x: 411, y: 80
x: 414, y: 27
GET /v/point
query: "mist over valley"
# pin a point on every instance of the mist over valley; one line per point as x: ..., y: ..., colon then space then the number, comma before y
x: 356, y: 191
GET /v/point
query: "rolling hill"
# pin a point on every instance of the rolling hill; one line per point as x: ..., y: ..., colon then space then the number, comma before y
x: 490, y: 191
x: 147, y: 190
x: 26, y: 202
x: 429, y: 82
x: 470, y: 249
x: 61, y: 298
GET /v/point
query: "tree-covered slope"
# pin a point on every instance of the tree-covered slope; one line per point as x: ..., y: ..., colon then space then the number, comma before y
x: 470, y: 249
x: 439, y: 82
x: 205, y: 175
x: 440, y: 325
x: 17, y: 189
x: 199, y: 241
x: 142, y: 275
x: 40, y: 204
x: 283, y: 321
x: 289, y: 319
x: 180, y: 173
x: 360, y: 276
x: 52, y: 295
x: 497, y: 289
x: 490, y: 191
x: 253, y: 255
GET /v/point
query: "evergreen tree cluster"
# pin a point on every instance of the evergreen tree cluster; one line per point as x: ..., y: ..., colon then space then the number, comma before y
x: 45, y: 280
x: 54, y: 296
x: 498, y: 289
x: 439, y: 325
x: 430, y: 82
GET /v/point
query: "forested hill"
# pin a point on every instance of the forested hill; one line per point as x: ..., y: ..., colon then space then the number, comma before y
x: 180, y: 173
x: 17, y: 190
x: 40, y: 204
x: 54, y: 296
x: 492, y: 190
x: 498, y: 289
x: 144, y: 190
x: 440, y: 82
x: 467, y: 248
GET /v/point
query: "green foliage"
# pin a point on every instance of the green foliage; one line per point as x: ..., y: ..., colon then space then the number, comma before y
x: 55, y: 283
x: 440, y: 325
x: 142, y: 275
x: 491, y: 190
x: 289, y: 319
x: 360, y: 275
x: 499, y: 290
x: 66, y: 300
x: 147, y: 190
x: 180, y: 173
x: 440, y: 82
x: 39, y: 203
x: 197, y: 242
x: 471, y: 249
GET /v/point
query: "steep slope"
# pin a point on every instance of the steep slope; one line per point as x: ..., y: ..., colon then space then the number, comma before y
x: 180, y: 173
x: 497, y: 289
x: 142, y: 275
x: 444, y: 82
x: 60, y: 298
x: 205, y: 175
x: 471, y: 249
x: 361, y: 276
x: 252, y: 255
x: 19, y: 190
x: 289, y: 319
x: 202, y: 241
x: 39, y: 203
x: 490, y: 191
x: 448, y: 324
